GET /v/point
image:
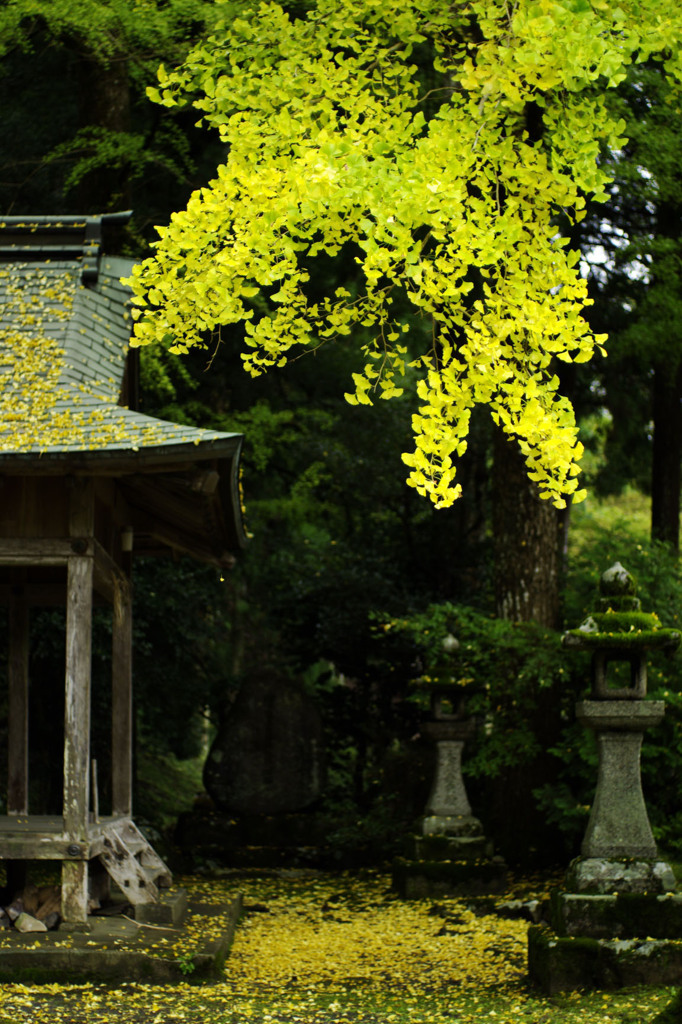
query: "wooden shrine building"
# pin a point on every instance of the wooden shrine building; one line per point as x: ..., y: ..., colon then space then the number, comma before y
x: 87, y: 483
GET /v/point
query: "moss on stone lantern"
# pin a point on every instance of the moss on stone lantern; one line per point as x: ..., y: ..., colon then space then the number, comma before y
x: 620, y: 631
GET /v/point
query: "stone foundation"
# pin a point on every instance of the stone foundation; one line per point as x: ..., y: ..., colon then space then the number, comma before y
x: 601, y: 875
x: 559, y: 964
x: 617, y: 915
x: 421, y: 879
x: 440, y: 864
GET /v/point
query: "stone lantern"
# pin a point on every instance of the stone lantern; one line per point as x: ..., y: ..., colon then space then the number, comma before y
x: 618, y: 827
x: 615, y: 921
x: 450, y: 852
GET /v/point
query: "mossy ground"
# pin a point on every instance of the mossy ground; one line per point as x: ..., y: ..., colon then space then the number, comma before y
x: 343, y: 949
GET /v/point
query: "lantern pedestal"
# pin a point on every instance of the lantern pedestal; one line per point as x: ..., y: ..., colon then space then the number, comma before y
x: 619, y: 823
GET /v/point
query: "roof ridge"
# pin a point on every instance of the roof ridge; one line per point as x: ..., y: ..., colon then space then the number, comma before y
x: 39, y: 237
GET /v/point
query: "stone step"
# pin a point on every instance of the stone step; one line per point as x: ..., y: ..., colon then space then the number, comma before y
x: 417, y: 879
x: 439, y: 848
x: 561, y: 964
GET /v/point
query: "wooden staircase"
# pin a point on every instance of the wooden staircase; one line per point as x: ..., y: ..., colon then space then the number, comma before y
x: 132, y: 863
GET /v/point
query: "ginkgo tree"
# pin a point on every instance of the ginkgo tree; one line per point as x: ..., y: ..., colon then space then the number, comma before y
x: 447, y: 187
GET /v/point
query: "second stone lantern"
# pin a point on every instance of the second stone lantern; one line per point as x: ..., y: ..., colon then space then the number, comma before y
x: 450, y: 854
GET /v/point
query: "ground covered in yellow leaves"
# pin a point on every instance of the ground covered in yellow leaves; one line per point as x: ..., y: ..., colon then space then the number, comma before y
x: 343, y: 949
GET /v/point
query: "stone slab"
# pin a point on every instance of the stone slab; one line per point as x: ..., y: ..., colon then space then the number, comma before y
x: 451, y: 825
x: 620, y: 716
x: 444, y: 847
x: 557, y: 964
x: 617, y: 915
x: 120, y: 949
x: 171, y: 908
x: 415, y: 879
x: 603, y: 875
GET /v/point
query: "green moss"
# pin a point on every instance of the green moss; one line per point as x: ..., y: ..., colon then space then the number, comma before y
x: 626, y: 621
x: 635, y: 640
x: 436, y: 846
x: 672, y: 1014
x: 561, y: 964
x: 617, y: 581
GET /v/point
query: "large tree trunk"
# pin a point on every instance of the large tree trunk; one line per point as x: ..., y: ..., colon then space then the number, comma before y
x: 528, y: 535
x: 667, y: 455
x: 105, y: 103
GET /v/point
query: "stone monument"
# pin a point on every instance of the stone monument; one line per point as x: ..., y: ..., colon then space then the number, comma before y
x: 450, y: 853
x: 264, y: 773
x: 617, y: 920
x: 268, y: 754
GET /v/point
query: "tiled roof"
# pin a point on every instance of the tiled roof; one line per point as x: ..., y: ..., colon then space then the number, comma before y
x: 46, y: 306
x: 64, y: 332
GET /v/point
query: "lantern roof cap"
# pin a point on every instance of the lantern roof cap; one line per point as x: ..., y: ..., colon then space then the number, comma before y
x: 620, y: 624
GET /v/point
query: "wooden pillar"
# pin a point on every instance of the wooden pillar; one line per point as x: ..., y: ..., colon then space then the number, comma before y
x: 122, y: 699
x: 17, y: 724
x: 17, y: 717
x: 80, y: 572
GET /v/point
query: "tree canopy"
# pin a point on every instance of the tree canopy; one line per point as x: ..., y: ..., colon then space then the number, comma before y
x: 437, y: 148
x: 84, y: 136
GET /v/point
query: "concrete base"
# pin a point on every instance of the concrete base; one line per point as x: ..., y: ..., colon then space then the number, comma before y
x: 558, y: 964
x: 122, y: 949
x: 420, y: 879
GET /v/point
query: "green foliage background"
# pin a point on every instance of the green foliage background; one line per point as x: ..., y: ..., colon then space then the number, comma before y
x: 340, y: 546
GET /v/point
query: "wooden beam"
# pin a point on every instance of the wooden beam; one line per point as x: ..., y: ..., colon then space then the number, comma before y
x: 46, y: 595
x: 17, y: 742
x: 180, y: 541
x: 108, y: 575
x: 42, y: 837
x: 122, y: 700
x: 17, y: 723
x: 181, y: 457
x: 205, y: 482
x: 40, y: 550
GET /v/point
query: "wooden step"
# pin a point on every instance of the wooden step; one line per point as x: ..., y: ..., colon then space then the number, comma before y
x: 138, y: 884
x: 145, y: 853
